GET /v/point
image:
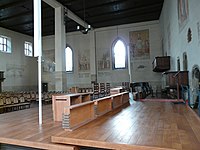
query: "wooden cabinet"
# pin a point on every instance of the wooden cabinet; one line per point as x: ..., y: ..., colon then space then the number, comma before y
x: 161, y: 63
x: 173, y: 81
x: 176, y: 77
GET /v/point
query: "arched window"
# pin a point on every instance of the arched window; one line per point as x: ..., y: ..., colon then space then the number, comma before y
x: 69, y: 59
x: 119, y: 55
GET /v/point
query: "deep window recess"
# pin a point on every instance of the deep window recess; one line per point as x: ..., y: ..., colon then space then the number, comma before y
x: 28, y: 50
x: 5, y: 44
x: 69, y: 59
x: 119, y: 55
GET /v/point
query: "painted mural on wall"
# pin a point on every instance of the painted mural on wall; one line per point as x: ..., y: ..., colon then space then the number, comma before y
x: 13, y: 70
x: 139, y: 44
x: 104, y: 61
x: 84, y: 60
x: 48, y: 61
x: 183, y: 13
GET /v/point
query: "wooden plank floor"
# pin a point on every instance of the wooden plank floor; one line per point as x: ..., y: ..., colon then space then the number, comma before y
x: 21, y: 128
x: 154, y: 124
x: 140, y: 126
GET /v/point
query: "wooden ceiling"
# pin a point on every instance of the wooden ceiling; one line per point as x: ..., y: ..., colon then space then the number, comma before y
x: 17, y: 15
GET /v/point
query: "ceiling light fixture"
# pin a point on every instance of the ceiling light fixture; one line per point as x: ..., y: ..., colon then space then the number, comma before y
x: 83, y: 29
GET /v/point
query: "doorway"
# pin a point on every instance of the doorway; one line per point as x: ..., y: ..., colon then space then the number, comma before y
x: 195, y: 87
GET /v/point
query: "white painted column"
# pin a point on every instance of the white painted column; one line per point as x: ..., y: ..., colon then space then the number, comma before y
x: 93, y: 55
x: 129, y: 64
x: 60, y: 45
x: 38, y: 49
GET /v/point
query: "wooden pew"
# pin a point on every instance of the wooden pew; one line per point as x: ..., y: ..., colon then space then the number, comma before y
x: 103, y: 105
x: 59, y: 101
x: 125, y: 98
x: 116, y: 90
x: 117, y: 100
x: 1, y: 105
x: 77, y: 115
x: 75, y: 110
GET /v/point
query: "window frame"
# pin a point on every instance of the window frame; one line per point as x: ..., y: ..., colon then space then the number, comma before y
x: 113, y: 56
x: 6, y: 46
x: 71, y: 71
x: 28, y: 50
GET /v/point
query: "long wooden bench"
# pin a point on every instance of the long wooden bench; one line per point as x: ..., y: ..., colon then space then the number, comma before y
x: 103, y: 105
x: 59, y: 101
x: 77, y: 115
x: 75, y: 110
x: 117, y: 100
x: 125, y: 98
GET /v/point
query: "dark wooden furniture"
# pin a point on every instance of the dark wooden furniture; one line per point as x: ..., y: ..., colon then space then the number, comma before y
x: 1, y: 79
x: 161, y: 63
x: 102, y: 91
x: 95, y: 90
x: 107, y: 89
x: 174, y: 80
x: 176, y: 77
x: 140, y: 89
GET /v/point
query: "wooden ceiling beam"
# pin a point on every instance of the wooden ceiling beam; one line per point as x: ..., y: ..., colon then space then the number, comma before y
x: 122, y: 20
x: 17, y: 15
x: 22, y: 23
x: 110, y: 3
x: 14, y: 4
x: 130, y: 10
x: 27, y: 13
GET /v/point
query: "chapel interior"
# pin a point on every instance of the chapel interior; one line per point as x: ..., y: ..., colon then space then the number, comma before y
x: 94, y: 75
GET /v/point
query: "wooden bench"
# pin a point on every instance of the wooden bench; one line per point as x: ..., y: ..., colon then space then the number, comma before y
x: 59, y: 101
x: 125, y: 98
x: 103, y: 105
x: 117, y: 100
x: 116, y: 90
x: 75, y: 110
x: 77, y: 115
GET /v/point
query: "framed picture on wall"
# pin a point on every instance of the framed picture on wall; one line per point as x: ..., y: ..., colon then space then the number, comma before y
x: 139, y: 44
x: 84, y: 60
x: 183, y: 13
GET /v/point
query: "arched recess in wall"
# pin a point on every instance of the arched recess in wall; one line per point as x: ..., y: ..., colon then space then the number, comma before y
x: 119, y: 54
x: 195, y: 85
x: 178, y: 64
x: 185, y: 62
x: 69, y: 59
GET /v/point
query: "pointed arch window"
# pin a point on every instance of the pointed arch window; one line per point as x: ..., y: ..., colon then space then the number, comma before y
x: 119, y: 54
x: 69, y: 59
